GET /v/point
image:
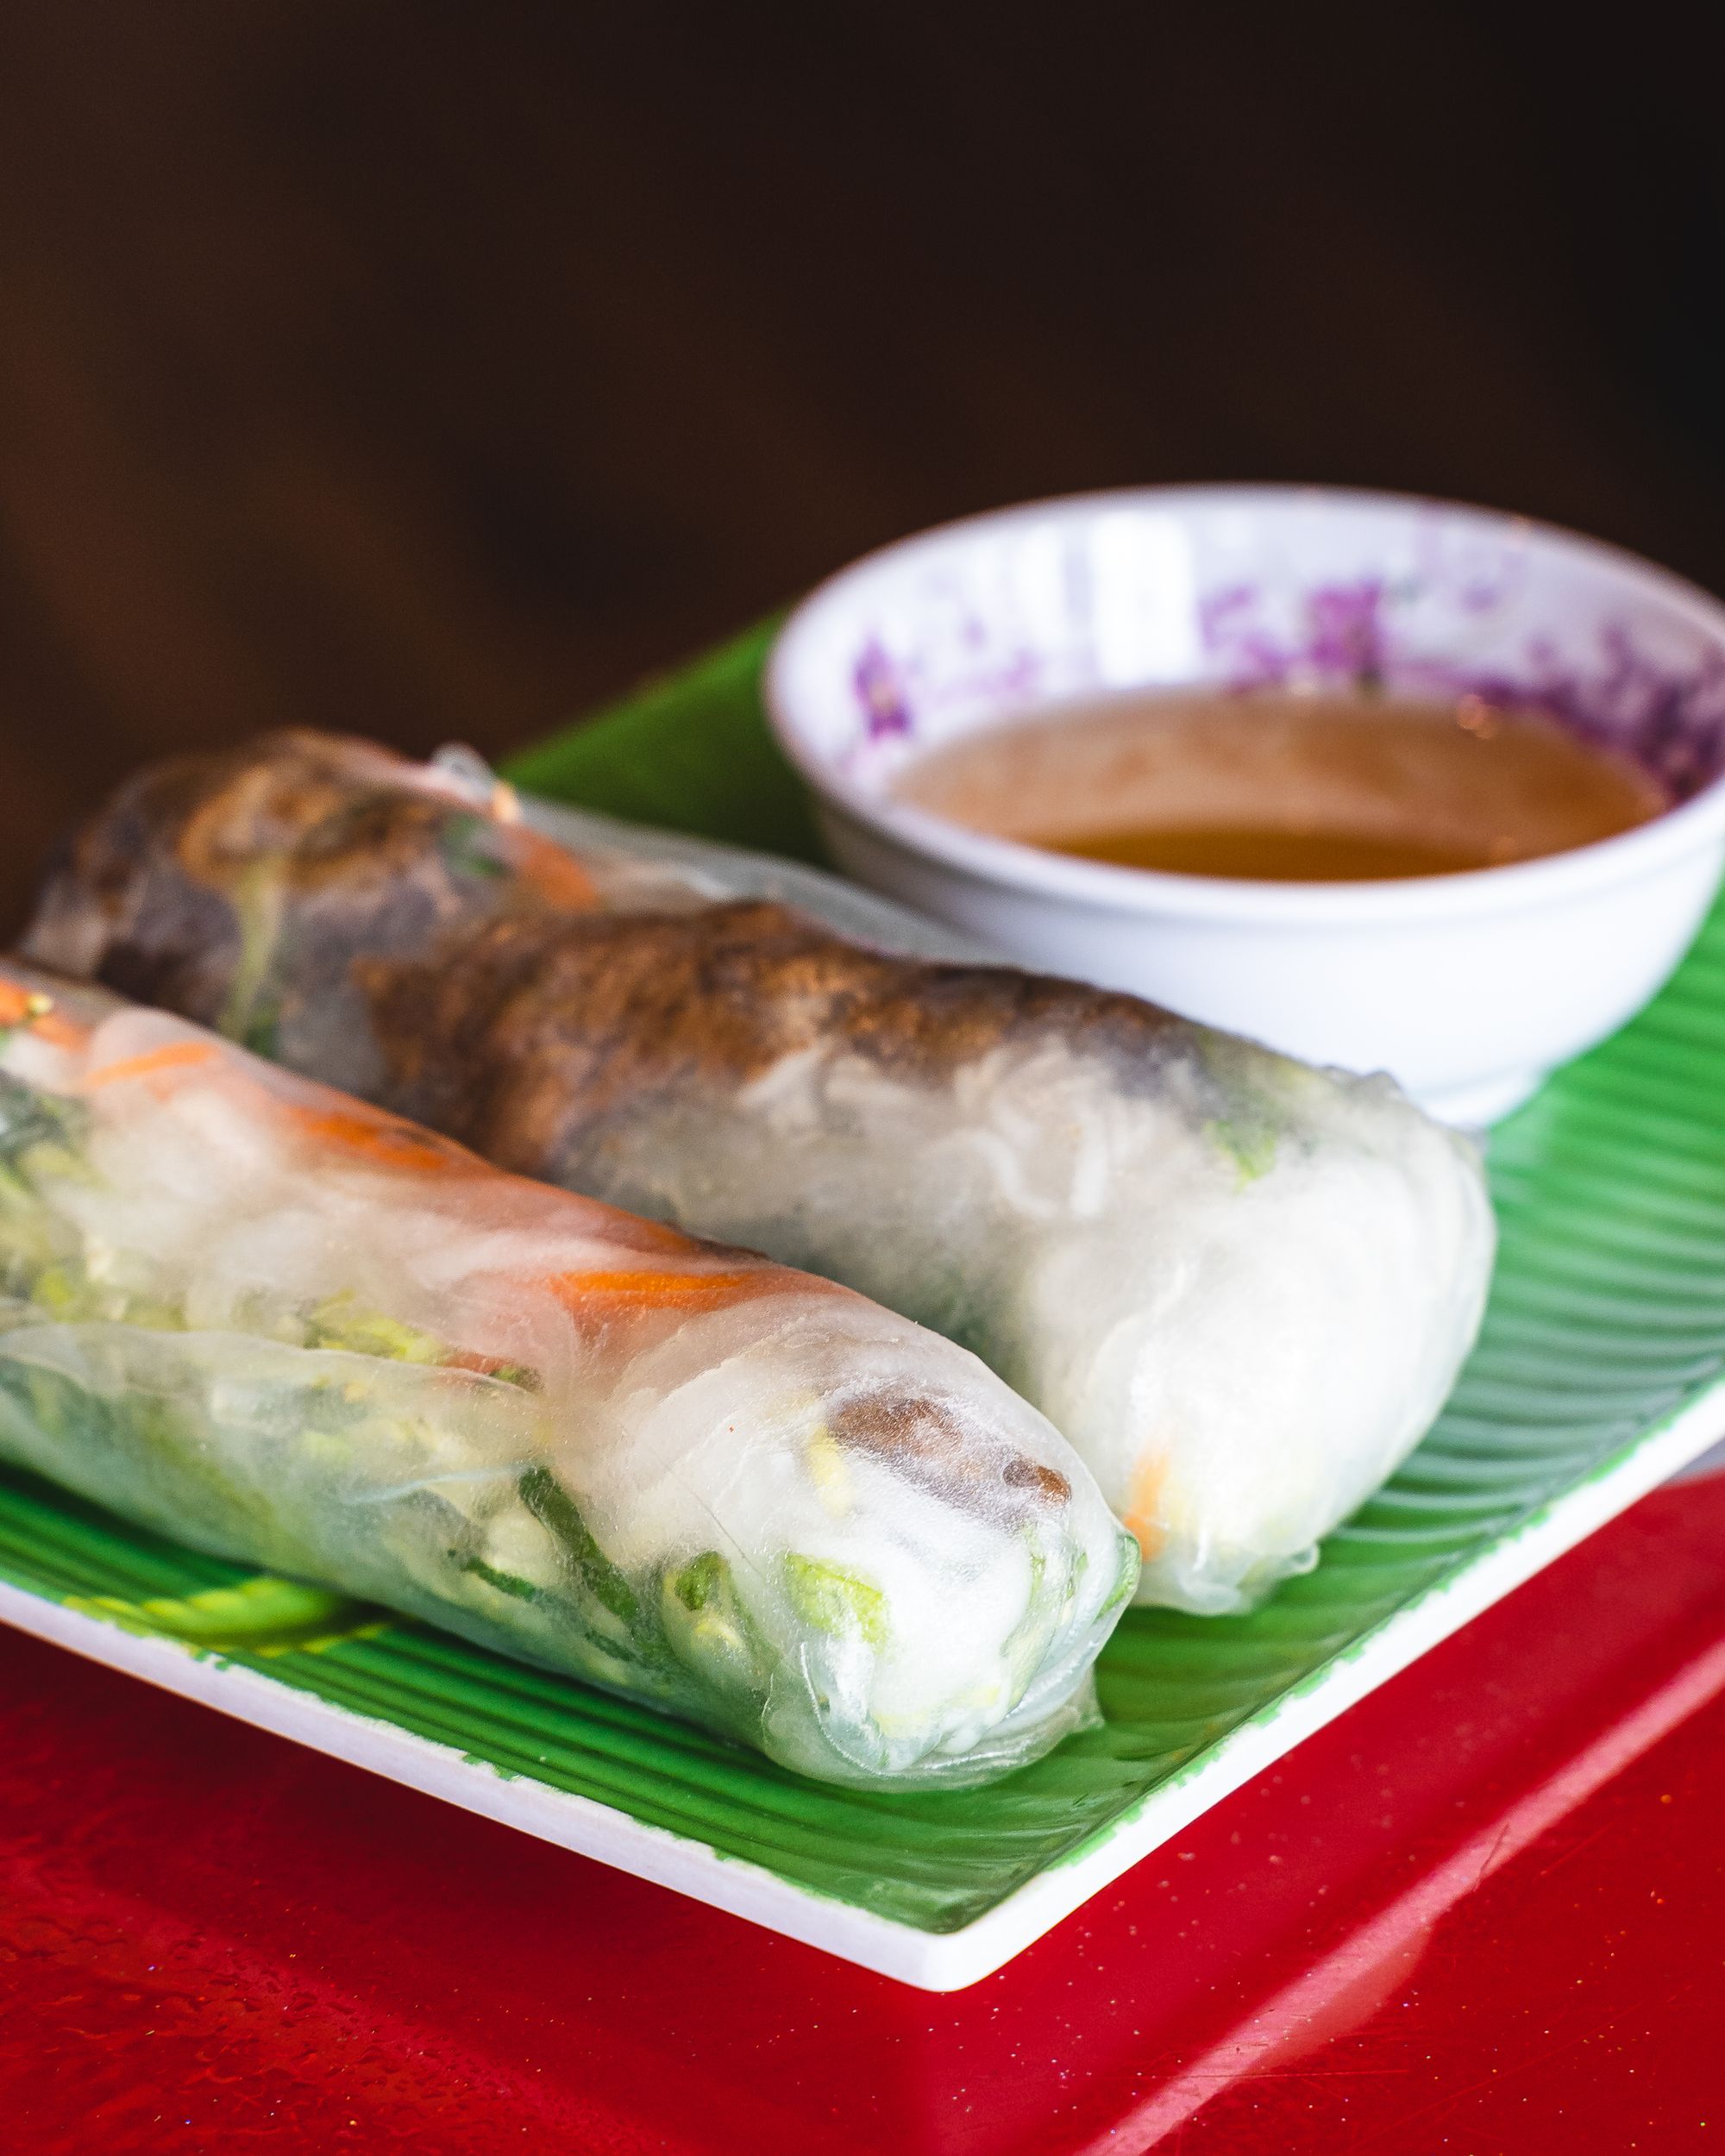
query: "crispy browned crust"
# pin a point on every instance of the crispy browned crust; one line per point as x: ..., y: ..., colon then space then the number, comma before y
x: 533, y: 1025
x: 485, y: 994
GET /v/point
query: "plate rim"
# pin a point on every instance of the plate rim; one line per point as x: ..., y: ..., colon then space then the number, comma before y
x: 929, y: 1961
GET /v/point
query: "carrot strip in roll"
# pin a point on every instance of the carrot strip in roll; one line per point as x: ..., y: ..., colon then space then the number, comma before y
x: 287, y: 1327
x: 1240, y: 1286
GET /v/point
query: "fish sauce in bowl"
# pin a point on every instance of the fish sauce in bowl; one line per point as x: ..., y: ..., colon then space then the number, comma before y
x: 1277, y: 786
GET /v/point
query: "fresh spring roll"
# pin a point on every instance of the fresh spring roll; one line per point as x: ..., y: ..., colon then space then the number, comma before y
x: 281, y: 1326
x: 1241, y: 1286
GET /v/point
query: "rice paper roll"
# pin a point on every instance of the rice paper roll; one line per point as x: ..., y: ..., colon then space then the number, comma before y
x: 274, y: 1322
x: 1240, y: 1286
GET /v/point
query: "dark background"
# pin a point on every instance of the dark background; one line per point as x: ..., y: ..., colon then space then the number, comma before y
x: 436, y: 370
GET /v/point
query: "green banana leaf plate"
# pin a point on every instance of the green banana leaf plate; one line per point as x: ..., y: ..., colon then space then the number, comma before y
x: 1598, y: 1374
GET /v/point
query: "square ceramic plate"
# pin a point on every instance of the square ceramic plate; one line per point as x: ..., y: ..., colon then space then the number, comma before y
x: 1597, y: 1375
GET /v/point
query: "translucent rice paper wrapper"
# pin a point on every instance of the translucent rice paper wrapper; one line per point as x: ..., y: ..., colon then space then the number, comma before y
x: 1241, y: 1286
x: 279, y: 1325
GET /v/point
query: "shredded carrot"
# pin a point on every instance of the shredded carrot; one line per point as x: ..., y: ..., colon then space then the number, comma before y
x: 25, y: 1006
x: 653, y: 1291
x: 1141, y: 1505
x: 383, y: 1140
x: 636, y: 1232
x: 549, y: 871
x: 480, y: 1365
x: 156, y: 1063
x: 60, y: 1031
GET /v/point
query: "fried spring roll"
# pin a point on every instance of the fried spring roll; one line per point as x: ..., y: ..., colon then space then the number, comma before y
x: 1241, y: 1286
x: 280, y: 1324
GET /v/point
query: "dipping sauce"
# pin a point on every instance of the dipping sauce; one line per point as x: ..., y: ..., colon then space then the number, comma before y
x: 1284, y: 787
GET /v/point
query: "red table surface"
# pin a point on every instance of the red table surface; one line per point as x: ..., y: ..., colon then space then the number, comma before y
x: 1484, y: 1912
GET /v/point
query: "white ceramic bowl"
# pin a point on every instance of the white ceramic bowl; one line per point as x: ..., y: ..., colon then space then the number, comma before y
x: 1468, y: 988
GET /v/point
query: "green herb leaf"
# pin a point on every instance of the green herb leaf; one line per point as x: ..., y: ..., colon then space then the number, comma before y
x: 30, y: 1117
x: 705, y: 1615
x: 834, y: 1601
x: 505, y: 1583
x: 550, y: 1504
x: 1250, y: 1144
x: 469, y: 846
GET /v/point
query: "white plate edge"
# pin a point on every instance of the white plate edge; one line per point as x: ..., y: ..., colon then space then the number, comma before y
x: 582, y: 1824
x: 1558, y: 1525
x: 929, y: 1961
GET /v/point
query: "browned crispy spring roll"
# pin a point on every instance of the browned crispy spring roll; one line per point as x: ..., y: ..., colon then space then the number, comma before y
x: 1240, y: 1287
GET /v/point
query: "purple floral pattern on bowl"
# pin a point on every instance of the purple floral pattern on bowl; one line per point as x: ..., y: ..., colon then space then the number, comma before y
x: 1365, y: 593
x: 880, y: 694
x: 1670, y: 720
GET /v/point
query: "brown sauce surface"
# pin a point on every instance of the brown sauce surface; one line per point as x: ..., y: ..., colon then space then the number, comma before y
x: 1286, y: 788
